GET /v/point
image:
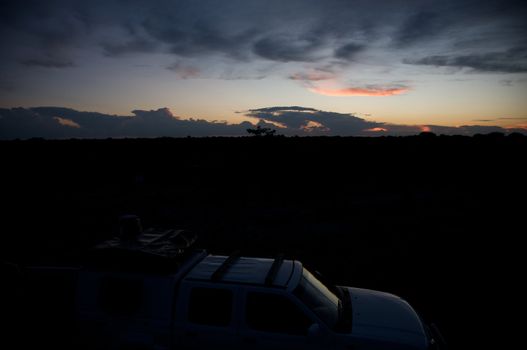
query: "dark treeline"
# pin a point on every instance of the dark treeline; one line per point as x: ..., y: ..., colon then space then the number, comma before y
x: 437, y: 220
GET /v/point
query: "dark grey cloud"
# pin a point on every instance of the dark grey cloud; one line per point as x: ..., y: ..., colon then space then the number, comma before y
x: 201, y: 36
x: 26, y: 123
x: 37, y: 33
x: 281, y: 109
x: 6, y: 85
x: 184, y: 71
x: 349, y: 51
x: 48, y: 62
x: 420, y: 26
x: 316, y: 74
x: 469, y: 130
x: 133, y: 45
x: 57, y: 122
x: 275, y: 30
x: 310, y: 121
x: 513, y: 60
x: 301, y: 121
x: 286, y: 49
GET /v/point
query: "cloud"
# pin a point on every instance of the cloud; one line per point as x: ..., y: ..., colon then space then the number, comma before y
x: 349, y: 51
x: 59, y: 123
x: 56, y: 122
x: 314, y: 75
x: 184, y: 71
x: 6, y: 85
x: 420, y: 26
x: 466, y: 129
x: 67, y: 122
x: 134, y: 45
x: 513, y: 60
x: 313, y: 127
x: 300, y: 120
x: 361, y: 91
x: 376, y: 129
x: 48, y: 62
x: 26, y: 123
x: 286, y: 49
x: 277, y: 31
x: 310, y: 121
x: 283, y: 109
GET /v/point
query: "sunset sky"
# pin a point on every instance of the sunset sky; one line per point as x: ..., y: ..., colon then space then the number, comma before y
x: 401, y: 62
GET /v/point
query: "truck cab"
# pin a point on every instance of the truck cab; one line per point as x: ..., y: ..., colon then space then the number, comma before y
x: 258, y: 303
x: 205, y: 301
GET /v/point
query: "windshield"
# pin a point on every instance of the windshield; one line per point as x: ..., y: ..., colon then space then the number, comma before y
x: 318, y: 298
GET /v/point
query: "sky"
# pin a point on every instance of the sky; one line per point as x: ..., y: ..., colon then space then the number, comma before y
x: 343, y: 67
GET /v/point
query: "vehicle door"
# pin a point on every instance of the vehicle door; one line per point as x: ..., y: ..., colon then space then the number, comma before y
x: 206, y: 317
x: 275, y: 320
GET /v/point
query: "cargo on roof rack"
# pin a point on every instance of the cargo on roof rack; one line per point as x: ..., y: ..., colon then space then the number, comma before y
x: 143, y: 249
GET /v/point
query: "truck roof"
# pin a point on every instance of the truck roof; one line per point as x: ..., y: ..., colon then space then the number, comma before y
x: 245, y: 270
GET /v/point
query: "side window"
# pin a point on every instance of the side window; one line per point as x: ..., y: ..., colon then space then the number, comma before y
x: 275, y: 313
x: 210, y: 306
x: 120, y: 296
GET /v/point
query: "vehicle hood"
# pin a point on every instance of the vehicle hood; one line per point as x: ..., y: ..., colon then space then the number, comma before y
x: 384, y: 317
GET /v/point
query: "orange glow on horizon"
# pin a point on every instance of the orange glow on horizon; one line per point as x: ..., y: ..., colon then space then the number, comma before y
x: 359, y: 91
x: 425, y: 128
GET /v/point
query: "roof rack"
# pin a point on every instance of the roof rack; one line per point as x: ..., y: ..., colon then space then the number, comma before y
x: 273, y: 271
x: 224, y: 267
x: 145, y: 250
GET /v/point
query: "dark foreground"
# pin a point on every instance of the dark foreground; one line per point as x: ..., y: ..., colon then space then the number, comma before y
x: 436, y: 220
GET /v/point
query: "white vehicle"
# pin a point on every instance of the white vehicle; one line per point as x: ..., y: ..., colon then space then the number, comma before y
x: 202, y: 301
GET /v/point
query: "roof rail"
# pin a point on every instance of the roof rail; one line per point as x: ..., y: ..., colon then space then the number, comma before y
x: 224, y: 267
x: 273, y: 271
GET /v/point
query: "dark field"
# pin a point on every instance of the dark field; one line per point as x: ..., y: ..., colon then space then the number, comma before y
x: 439, y: 220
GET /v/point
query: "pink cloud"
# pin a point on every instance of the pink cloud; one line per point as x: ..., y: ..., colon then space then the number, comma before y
x: 361, y: 91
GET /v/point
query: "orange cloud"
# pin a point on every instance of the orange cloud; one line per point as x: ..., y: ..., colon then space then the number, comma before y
x: 377, y: 130
x: 313, y: 125
x: 67, y: 122
x: 354, y: 91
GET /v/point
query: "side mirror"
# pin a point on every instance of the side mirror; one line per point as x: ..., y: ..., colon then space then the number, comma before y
x: 313, y: 330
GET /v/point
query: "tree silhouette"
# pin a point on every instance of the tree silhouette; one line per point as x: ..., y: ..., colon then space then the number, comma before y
x: 259, y: 131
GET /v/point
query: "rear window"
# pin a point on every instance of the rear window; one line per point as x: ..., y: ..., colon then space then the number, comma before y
x: 210, y: 306
x: 120, y: 296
